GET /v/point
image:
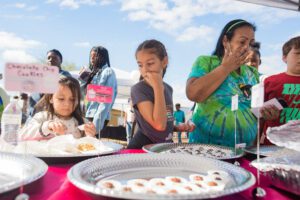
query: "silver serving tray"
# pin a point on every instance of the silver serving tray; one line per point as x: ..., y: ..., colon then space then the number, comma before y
x: 62, y: 158
x: 17, y: 170
x: 162, y: 147
x: 74, y: 158
x: 115, y: 148
x: 86, y: 174
x: 282, y: 171
x: 268, y: 150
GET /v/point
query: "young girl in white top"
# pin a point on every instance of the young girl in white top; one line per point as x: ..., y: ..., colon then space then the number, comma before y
x: 61, y: 114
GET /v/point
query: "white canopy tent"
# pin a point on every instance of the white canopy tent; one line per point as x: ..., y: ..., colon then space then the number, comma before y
x: 285, y: 4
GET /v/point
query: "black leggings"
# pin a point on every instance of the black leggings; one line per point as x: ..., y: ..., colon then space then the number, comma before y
x: 138, y: 141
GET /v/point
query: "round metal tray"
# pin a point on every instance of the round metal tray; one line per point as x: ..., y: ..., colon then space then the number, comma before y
x: 59, y: 156
x: 16, y: 170
x: 164, y: 147
x: 125, y: 167
x: 282, y: 171
x: 268, y: 150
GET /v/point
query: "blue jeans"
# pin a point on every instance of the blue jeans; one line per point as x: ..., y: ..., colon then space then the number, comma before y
x: 179, y: 137
x: 128, y: 131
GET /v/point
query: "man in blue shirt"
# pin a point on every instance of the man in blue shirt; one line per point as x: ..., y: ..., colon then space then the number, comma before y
x: 179, y: 118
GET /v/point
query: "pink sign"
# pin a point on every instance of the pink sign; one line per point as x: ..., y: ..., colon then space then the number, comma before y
x: 31, y: 78
x: 98, y: 93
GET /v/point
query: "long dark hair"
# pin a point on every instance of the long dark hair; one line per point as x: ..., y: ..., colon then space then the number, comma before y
x: 73, y: 85
x: 155, y: 47
x: 228, y: 31
x: 102, y: 54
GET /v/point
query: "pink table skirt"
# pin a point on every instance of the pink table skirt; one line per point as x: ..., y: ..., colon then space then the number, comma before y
x: 55, y: 186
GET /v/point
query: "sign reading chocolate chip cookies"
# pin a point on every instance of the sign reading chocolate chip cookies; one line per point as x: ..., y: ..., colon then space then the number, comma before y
x: 31, y: 78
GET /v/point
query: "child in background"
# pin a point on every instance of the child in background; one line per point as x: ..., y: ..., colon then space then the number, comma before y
x: 129, y: 120
x: 152, y: 98
x: 179, y: 118
x: 254, y: 56
x: 285, y: 87
x: 62, y: 114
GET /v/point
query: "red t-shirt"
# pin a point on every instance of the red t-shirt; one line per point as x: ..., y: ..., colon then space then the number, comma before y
x: 286, y: 87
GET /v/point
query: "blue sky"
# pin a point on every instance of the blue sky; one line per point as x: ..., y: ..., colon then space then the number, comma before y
x: 188, y: 28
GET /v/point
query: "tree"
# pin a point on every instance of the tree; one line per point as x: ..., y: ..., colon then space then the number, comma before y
x: 68, y: 66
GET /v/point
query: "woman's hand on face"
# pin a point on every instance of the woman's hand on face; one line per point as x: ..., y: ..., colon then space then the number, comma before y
x: 154, y: 79
x: 270, y: 113
x: 57, y: 127
x: 90, y: 129
x: 232, y: 60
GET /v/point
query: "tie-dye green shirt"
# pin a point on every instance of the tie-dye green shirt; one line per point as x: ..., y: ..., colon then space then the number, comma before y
x: 215, y: 122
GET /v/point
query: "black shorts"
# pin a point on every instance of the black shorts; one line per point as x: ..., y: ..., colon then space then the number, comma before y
x: 138, y: 141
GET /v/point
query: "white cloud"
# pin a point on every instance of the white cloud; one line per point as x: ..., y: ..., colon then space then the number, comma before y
x: 274, y: 47
x: 70, y: 4
x: 274, y: 15
x: 75, y: 4
x: 31, y: 8
x: 51, y: 1
x: 129, y: 5
x: 272, y: 64
x: 18, y: 56
x: 158, y: 13
x: 11, y: 41
x: 192, y: 33
x: 179, y: 95
x: 13, y: 49
x: 139, y: 15
x: 106, y: 2
x: 27, y: 17
x: 23, y: 6
x: 296, y: 34
x: 20, y: 5
x: 173, y: 16
x: 82, y: 44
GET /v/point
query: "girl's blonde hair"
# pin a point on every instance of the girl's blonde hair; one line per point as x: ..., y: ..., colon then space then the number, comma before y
x: 73, y: 85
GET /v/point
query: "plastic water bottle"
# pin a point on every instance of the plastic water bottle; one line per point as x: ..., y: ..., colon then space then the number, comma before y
x: 11, y: 122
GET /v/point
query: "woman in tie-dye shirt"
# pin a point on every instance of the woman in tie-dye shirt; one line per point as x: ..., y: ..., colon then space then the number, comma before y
x: 215, y: 79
